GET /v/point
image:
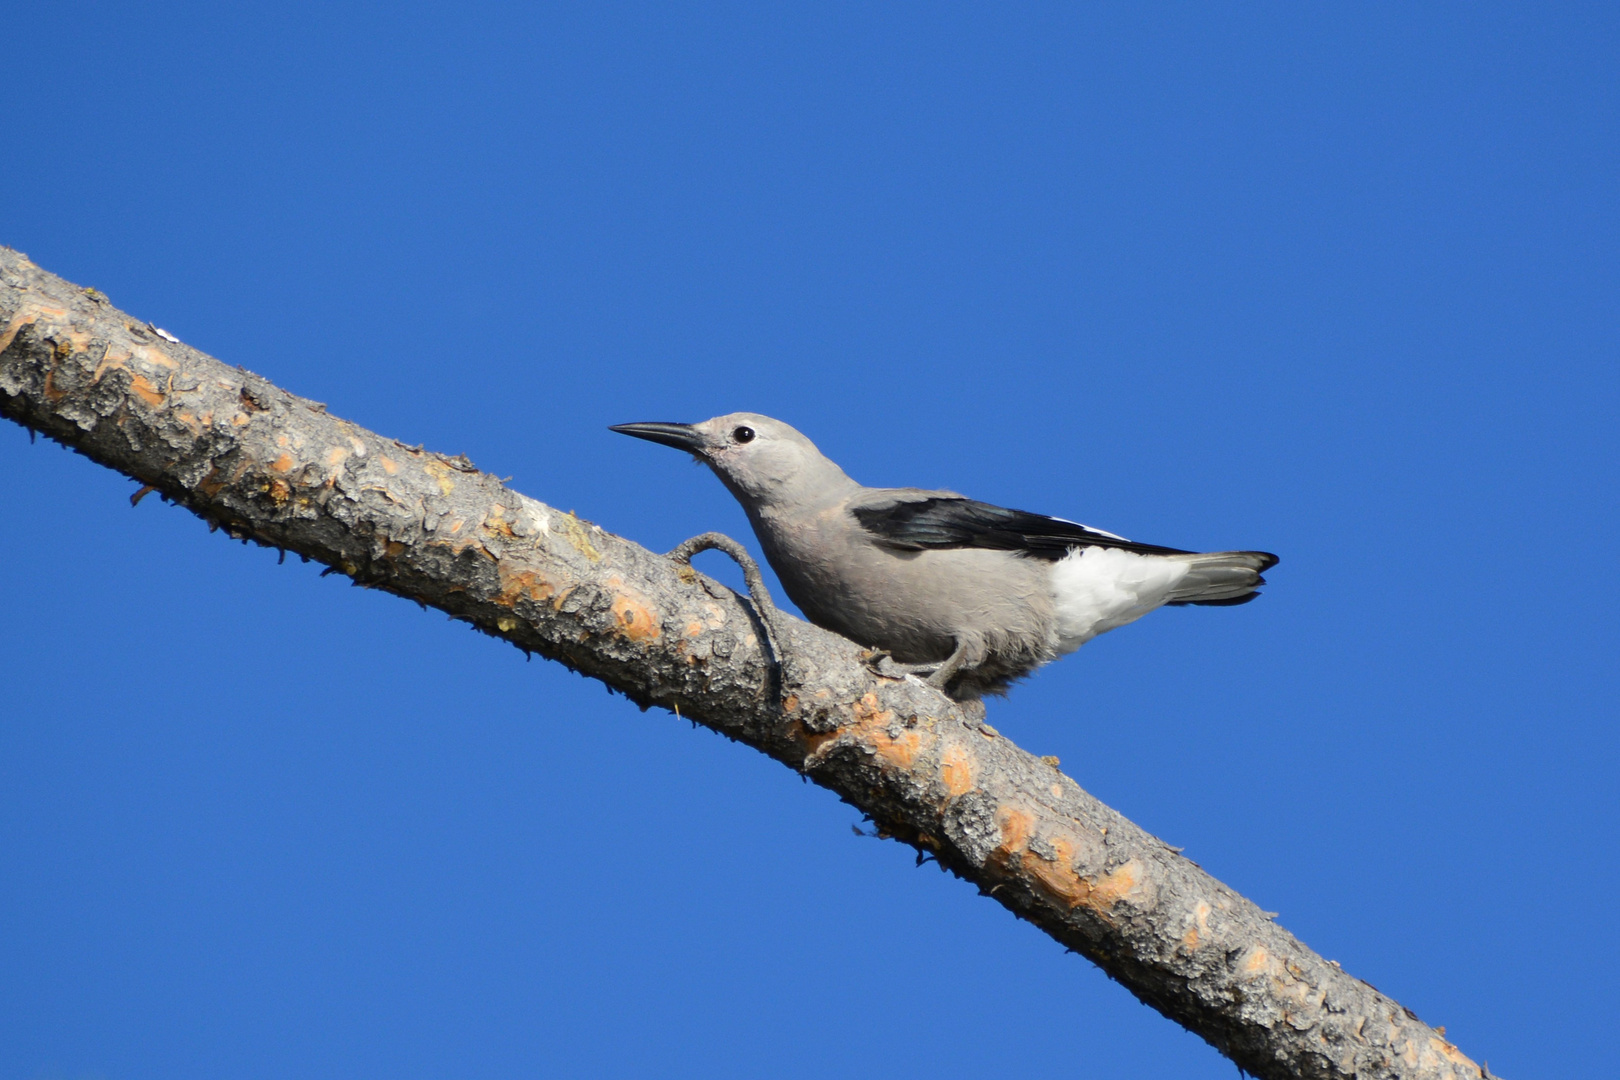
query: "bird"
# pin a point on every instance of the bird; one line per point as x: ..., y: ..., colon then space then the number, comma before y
x: 968, y: 595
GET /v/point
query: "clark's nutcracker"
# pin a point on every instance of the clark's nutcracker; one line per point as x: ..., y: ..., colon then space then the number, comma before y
x: 980, y: 594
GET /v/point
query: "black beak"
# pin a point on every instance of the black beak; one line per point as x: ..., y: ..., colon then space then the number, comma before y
x: 680, y: 436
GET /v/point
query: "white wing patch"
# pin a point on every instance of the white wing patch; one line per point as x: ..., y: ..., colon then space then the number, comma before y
x: 1092, y: 528
x: 1097, y: 589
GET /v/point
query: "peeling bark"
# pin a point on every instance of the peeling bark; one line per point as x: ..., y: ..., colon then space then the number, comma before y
x: 266, y: 465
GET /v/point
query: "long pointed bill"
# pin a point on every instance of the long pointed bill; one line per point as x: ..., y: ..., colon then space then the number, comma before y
x: 680, y: 436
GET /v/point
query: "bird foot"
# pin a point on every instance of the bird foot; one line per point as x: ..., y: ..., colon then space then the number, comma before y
x: 764, y: 608
x: 882, y: 663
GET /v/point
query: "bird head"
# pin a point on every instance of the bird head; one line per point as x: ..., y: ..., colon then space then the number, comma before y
x: 761, y: 460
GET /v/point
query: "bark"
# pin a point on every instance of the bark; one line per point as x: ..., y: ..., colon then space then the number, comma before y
x: 268, y: 466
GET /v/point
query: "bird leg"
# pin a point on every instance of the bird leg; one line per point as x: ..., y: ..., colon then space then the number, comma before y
x: 938, y: 673
x: 947, y: 671
x: 764, y: 609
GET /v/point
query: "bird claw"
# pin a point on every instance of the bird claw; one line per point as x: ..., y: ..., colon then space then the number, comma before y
x: 881, y: 662
x: 874, y: 658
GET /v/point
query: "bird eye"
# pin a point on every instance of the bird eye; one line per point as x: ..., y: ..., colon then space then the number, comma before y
x: 743, y: 434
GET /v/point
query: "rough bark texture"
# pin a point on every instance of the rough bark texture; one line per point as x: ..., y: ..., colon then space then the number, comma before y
x: 264, y: 464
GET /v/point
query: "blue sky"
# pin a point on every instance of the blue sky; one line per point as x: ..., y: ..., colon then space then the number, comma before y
x: 1337, y: 283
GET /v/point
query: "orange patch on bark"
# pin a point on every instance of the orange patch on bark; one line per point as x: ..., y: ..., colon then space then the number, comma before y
x: 1114, y: 886
x: 634, y: 619
x: 633, y: 615
x: 466, y: 543
x: 1015, y: 828
x: 389, y: 465
x: 284, y: 463
x: 517, y: 584
x: 871, y: 722
x: 495, y: 524
x: 148, y: 392
x: 956, y: 770
x: 441, y: 476
x: 1196, y: 932
x: 867, y: 711
x: 1101, y: 894
x: 900, y: 752
x: 113, y: 358
x: 1056, y: 876
x: 869, y: 730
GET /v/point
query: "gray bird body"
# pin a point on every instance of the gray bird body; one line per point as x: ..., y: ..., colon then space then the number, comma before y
x: 983, y: 593
x: 919, y: 606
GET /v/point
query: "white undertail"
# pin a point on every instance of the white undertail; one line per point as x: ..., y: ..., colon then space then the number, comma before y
x: 1097, y: 589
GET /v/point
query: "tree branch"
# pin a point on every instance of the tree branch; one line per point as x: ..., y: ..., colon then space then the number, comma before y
x: 268, y: 466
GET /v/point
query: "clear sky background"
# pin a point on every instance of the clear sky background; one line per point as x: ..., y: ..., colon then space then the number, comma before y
x: 1337, y: 283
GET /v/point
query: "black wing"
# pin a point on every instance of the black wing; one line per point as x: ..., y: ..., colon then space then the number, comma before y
x: 915, y: 524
